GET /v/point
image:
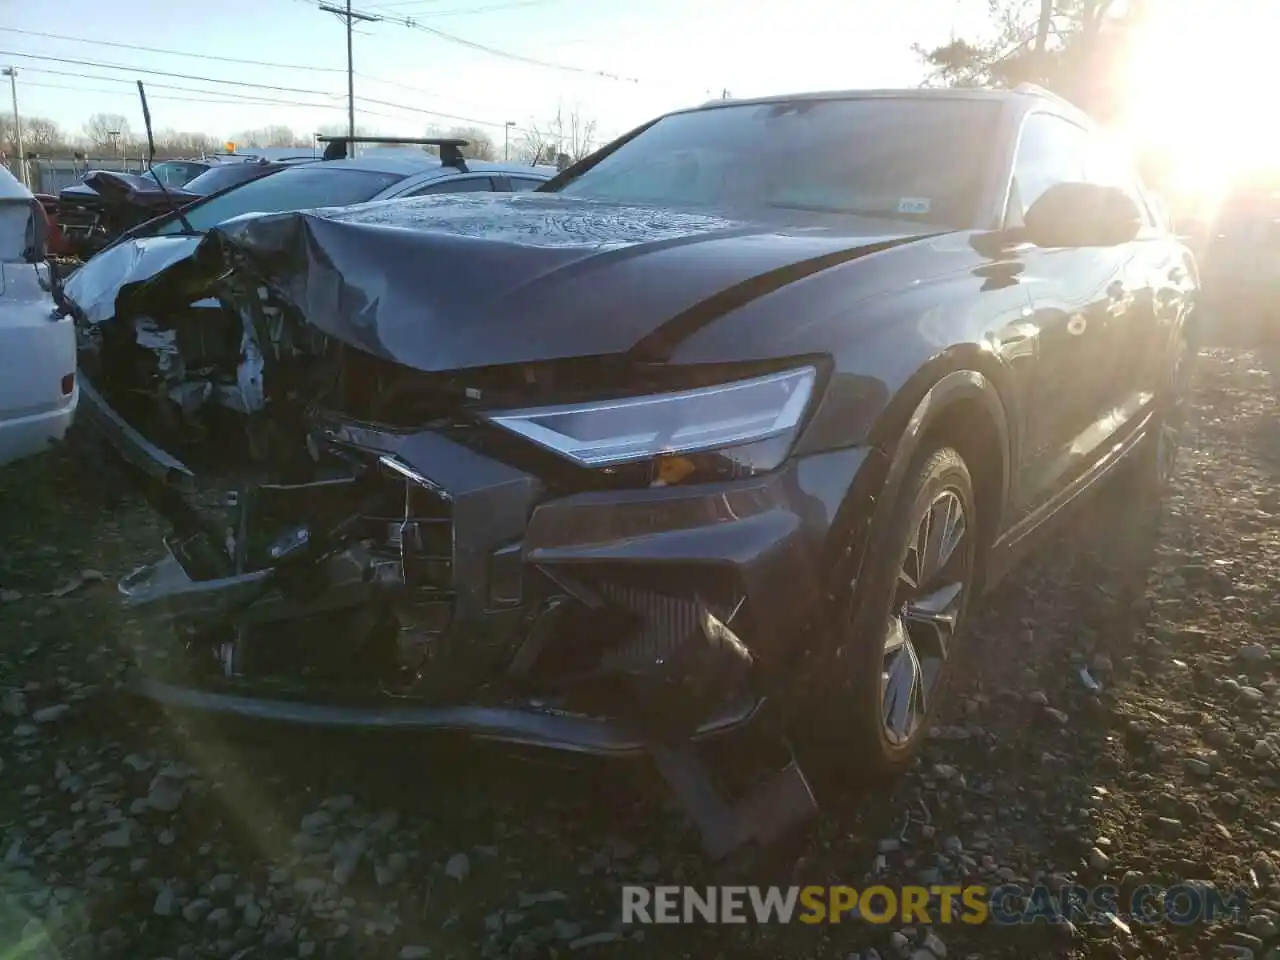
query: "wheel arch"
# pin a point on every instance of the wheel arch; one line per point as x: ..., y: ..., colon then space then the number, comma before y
x: 956, y: 400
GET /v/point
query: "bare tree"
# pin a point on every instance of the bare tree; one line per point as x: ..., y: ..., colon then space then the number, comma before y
x: 568, y: 133
x: 276, y: 135
x: 41, y: 135
x: 479, y: 144
x: 181, y: 143
x: 106, y: 131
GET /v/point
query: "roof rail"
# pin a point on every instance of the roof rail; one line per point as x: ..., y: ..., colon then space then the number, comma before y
x: 1035, y: 90
x: 450, y: 147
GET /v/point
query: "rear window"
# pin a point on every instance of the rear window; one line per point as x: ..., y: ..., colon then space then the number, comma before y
x: 299, y: 188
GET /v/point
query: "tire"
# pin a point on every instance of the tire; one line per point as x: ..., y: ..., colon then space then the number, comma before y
x: 869, y: 723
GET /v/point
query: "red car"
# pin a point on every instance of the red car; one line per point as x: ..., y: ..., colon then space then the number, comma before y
x: 56, y: 241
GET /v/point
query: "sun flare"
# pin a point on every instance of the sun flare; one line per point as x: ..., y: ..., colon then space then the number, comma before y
x: 1201, y: 87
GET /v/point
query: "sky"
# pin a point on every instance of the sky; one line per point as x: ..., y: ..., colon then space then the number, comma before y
x: 657, y: 54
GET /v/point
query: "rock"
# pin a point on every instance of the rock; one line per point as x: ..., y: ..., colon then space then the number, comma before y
x: 1169, y: 827
x: 137, y: 763
x: 527, y: 900
x: 164, y: 905
x: 458, y: 867
x: 1250, y: 695
x: 933, y: 943
x: 889, y: 845
x: 1099, y: 860
x: 900, y: 944
x: 25, y: 730
x: 251, y: 915
x: 1263, y: 751
x: 649, y: 866
x: 388, y: 871
x: 1102, y: 664
x: 14, y: 703
x: 221, y: 917
x: 316, y: 822
x: 1057, y: 716
x: 309, y: 886
x: 55, y: 712
x: 592, y: 939
x: 566, y: 930
x: 119, y: 838
x: 1260, y: 925
x: 306, y: 948
x: 196, y: 910
x: 1198, y: 767
x: 165, y: 794
x: 338, y: 804
x: 414, y: 953
x: 1038, y: 697
x: 221, y: 883
x: 1254, y: 653
x: 10, y: 596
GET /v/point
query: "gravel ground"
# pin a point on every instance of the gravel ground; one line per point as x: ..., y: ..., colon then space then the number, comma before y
x: 134, y: 834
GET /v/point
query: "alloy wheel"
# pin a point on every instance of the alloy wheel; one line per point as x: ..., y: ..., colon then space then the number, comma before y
x: 929, y: 594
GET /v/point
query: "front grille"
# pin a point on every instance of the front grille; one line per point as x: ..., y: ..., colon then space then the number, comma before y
x: 415, y: 525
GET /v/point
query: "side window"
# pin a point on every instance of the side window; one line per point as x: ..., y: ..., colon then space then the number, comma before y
x: 1051, y: 151
x: 460, y: 185
x: 521, y: 184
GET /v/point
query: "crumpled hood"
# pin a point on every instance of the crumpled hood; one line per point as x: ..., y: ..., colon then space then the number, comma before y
x: 96, y: 286
x: 449, y: 282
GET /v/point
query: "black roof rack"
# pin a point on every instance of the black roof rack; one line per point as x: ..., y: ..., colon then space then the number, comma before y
x: 450, y: 147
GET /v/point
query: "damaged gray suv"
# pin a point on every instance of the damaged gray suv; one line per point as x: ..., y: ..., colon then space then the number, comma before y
x: 674, y: 443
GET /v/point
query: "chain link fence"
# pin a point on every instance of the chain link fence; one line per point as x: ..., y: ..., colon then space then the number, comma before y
x: 52, y: 175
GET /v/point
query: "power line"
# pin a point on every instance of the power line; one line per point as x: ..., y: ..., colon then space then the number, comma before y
x: 235, y: 98
x: 205, y: 56
x: 160, y: 73
x: 458, y: 11
x: 231, y: 99
x: 176, y: 53
x: 158, y: 86
x: 413, y: 24
x: 439, y: 34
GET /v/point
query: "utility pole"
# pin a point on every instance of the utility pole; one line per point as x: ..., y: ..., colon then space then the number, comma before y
x: 350, y: 16
x: 506, y: 140
x: 12, y: 74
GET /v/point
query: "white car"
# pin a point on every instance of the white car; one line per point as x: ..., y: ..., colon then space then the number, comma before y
x: 38, y: 390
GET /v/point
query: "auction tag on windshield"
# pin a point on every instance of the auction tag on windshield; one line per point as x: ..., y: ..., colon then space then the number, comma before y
x: 913, y: 205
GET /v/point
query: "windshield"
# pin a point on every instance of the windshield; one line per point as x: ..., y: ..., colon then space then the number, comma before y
x: 909, y: 158
x: 174, y: 173
x: 300, y: 188
x: 217, y: 179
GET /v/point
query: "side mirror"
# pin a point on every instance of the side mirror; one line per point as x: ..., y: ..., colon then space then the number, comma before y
x: 1082, y: 215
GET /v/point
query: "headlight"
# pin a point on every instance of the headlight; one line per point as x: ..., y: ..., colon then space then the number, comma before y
x: 642, y: 428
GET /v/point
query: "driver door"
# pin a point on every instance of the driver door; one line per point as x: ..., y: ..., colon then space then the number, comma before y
x: 1076, y: 295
